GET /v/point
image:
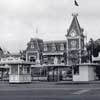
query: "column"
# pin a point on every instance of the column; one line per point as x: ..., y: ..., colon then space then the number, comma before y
x: 53, y: 74
x: 27, y: 56
x: 40, y: 72
x: 30, y: 69
x: 67, y: 52
x: 79, y: 50
x: 1, y: 73
x: 38, y: 60
x: 58, y: 74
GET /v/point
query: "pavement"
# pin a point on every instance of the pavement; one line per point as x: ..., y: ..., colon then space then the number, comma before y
x: 4, y: 85
x: 49, y: 91
x: 78, y: 82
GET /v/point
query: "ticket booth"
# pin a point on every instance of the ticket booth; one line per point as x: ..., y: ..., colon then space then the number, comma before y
x: 19, y: 72
x: 84, y: 72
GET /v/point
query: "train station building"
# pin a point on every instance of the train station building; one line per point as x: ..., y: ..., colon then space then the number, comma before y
x: 64, y: 59
x: 61, y: 60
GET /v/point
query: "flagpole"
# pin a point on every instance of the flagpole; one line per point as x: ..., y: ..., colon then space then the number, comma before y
x: 36, y: 33
x: 75, y: 7
x: 36, y: 30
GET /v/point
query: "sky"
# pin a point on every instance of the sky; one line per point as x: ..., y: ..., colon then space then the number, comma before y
x: 21, y: 20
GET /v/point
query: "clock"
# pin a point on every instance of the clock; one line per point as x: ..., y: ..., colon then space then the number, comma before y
x: 73, y: 33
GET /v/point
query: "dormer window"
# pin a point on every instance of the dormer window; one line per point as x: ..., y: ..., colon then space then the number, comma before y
x: 32, y: 45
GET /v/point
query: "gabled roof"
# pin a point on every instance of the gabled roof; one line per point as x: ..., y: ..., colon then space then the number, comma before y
x: 75, y: 25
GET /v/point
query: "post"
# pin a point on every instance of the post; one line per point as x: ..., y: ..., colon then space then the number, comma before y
x: 2, y: 74
x: 72, y: 72
x: 80, y: 57
x: 18, y: 69
x: 30, y: 70
x: 67, y: 53
x: 58, y: 74
x: 40, y: 72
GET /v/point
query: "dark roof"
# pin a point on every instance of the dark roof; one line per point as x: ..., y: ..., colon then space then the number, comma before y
x: 75, y: 25
x: 55, y: 41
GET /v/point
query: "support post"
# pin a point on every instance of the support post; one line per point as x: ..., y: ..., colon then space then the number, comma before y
x: 18, y: 69
x: 58, y: 74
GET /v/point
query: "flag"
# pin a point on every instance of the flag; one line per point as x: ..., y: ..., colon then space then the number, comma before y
x: 76, y: 3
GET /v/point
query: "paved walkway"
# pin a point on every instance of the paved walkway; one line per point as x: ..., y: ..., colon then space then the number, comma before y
x: 78, y: 82
x: 51, y: 85
x: 81, y: 91
x: 68, y: 89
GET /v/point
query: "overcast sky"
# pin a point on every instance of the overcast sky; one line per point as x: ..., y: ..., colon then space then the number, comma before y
x: 19, y: 20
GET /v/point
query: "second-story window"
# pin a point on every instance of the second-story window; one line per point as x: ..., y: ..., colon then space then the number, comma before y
x: 61, y: 46
x: 45, y: 47
x: 53, y: 47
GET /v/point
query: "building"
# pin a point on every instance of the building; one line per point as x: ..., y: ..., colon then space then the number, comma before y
x: 56, y: 58
x: 75, y: 42
x: 47, y: 52
x: 4, y: 68
x: 34, y: 51
x: 54, y: 52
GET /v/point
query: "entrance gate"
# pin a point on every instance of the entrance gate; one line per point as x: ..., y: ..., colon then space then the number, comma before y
x: 59, y: 73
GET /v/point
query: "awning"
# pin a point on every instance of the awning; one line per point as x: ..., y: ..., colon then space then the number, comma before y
x: 5, y: 67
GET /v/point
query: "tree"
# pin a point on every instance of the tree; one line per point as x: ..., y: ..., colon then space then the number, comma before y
x: 90, y: 48
x: 1, y: 52
x: 93, y: 48
x: 84, y: 56
x: 96, y: 49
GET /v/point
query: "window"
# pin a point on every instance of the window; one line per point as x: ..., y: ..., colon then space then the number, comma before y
x: 25, y: 70
x: 14, y: 69
x: 61, y: 46
x: 55, y: 60
x: 28, y: 70
x: 45, y: 47
x: 32, y: 59
x: 53, y: 47
x: 45, y: 60
x: 32, y: 45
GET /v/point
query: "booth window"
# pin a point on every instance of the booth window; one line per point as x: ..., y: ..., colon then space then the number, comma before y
x: 25, y: 70
x: 14, y: 69
x: 76, y: 70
